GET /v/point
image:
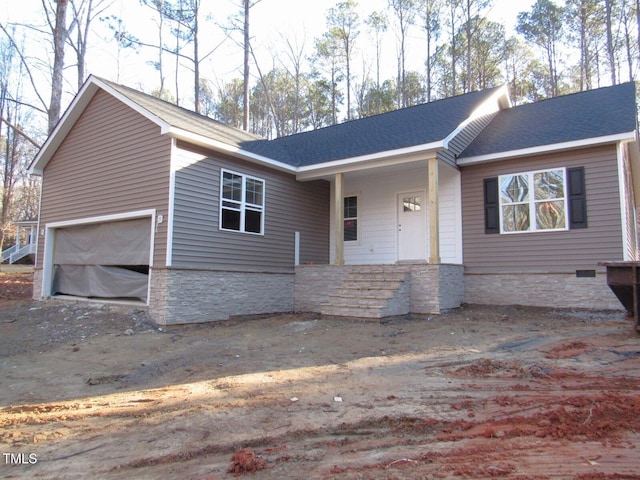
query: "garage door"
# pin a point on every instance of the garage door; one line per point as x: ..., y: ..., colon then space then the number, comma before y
x: 104, y: 260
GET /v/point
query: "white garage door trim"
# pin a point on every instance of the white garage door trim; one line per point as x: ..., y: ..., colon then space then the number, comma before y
x: 49, y: 241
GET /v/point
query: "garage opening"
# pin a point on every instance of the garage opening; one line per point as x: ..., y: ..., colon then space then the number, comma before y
x: 107, y: 260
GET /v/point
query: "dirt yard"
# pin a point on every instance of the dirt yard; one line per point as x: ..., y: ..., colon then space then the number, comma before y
x: 101, y: 392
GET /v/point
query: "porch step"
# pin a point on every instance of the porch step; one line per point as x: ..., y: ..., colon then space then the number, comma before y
x: 371, y: 292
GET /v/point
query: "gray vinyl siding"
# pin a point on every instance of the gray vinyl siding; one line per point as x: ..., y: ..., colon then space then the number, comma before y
x: 464, y: 137
x: 462, y: 140
x: 290, y: 206
x: 564, y: 251
x: 113, y: 161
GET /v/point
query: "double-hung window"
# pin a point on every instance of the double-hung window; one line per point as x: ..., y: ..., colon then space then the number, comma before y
x: 351, y: 219
x: 241, y: 203
x: 533, y: 201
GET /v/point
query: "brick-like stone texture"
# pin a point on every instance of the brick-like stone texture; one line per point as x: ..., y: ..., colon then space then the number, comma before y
x: 315, y: 283
x: 37, y: 284
x: 540, y: 290
x: 431, y: 289
x: 192, y: 296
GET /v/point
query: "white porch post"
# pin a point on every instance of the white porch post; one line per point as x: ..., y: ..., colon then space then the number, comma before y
x: 17, y: 237
x: 434, y: 220
x: 339, y: 218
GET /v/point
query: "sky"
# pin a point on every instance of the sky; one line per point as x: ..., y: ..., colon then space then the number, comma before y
x: 271, y: 20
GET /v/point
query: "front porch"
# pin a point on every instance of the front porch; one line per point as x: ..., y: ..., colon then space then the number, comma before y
x: 395, y: 242
x: 26, y: 242
x: 378, y: 291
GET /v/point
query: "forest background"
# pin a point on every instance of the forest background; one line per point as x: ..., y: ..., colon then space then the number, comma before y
x: 278, y: 67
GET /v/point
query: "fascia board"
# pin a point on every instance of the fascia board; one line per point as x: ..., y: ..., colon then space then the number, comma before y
x: 492, y: 157
x: 379, y: 159
x: 219, y: 146
x: 73, y: 113
x: 64, y: 126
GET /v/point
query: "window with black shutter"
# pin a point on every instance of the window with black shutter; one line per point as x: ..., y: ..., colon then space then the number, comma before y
x: 491, y: 206
x: 577, y: 198
x: 536, y: 201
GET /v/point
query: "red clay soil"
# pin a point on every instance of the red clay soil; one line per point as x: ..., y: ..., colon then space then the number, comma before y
x: 482, y: 392
x: 15, y: 286
x: 245, y: 461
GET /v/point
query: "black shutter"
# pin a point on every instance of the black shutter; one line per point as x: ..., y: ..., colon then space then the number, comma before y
x: 577, y: 198
x: 491, y: 206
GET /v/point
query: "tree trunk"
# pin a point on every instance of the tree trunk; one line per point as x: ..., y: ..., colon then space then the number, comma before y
x: 453, y: 49
x: 245, y: 96
x: 638, y: 21
x: 59, y: 40
x: 610, y: 48
x: 196, y: 59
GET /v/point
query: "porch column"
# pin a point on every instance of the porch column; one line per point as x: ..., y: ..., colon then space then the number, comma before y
x: 339, y: 218
x: 17, y: 237
x: 434, y: 220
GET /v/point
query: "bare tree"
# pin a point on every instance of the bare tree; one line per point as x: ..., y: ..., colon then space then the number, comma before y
x: 327, y: 58
x: 377, y: 22
x: 158, y: 6
x: 544, y: 27
x: 343, y: 23
x: 405, y: 14
x: 608, y: 5
x: 453, y: 19
x: 431, y: 22
x: 295, y: 53
x: 84, y: 12
x: 472, y: 26
x: 57, y: 20
x: 16, y: 147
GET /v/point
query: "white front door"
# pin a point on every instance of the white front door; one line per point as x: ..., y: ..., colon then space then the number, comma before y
x: 412, y: 226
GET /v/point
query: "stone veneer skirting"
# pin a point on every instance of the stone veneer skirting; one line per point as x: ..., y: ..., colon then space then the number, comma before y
x: 432, y: 288
x: 192, y: 296
x: 561, y: 290
x: 37, y: 284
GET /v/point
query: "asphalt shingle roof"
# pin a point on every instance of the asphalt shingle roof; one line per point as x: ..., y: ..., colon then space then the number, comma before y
x: 594, y: 113
x: 185, y: 119
x: 417, y: 125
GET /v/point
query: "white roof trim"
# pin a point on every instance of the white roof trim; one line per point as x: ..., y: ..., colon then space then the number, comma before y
x: 491, y: 157
x: 320, y: 169
x: 219, y: 146
x: 73, y: 113
x: 499, y: 100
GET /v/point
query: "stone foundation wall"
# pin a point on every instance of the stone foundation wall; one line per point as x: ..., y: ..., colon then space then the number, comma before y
x: 314, y: 284
x: 540, y: 290
x: 436, y: 288
x: 192, y: 296
x: 37, y: 284
x: 431, y: 290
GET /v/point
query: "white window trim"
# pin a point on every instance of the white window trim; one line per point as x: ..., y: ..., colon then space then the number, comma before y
x: 357, y: 241
x: 243, y: 203
x: 532, y: 203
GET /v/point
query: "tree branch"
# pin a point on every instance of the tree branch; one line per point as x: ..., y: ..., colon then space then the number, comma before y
x: 26, y: 66
x: 20, y: 132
